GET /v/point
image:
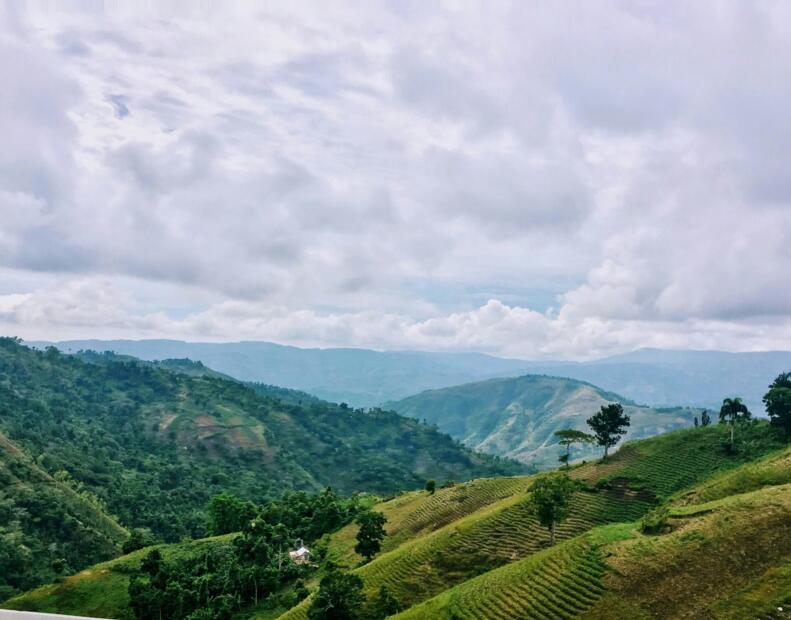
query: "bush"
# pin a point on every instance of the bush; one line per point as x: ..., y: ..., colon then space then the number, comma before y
x: 655, y: 521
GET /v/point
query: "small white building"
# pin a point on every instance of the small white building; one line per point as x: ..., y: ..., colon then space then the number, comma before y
x: 301, y: 555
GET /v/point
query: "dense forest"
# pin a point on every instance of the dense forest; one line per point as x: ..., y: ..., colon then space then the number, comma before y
x: 151, y: 447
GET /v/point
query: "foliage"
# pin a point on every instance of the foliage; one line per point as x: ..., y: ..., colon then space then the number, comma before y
x: 570, y: 436
x: 431, y: 486
x: 654, y: 522
x: 733, y: 410
x: 705, y: 418
x: 608, y: 425
x: 227, y: 513
x: 139, y: 538
x: 778, y: 402
x: 340, y: 597
x: 370, y: 534
x: 549, y: 498
x: 384, y: 605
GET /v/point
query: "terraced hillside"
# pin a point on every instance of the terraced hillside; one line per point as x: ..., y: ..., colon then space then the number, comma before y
x: 474, y: 550
x: 499, y: 533
x: 517, y: 417
x: 615, y: 572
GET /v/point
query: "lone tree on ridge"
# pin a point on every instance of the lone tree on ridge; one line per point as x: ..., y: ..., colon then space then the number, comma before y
x: 608, y: 425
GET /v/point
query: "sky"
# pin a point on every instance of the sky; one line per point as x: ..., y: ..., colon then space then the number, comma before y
x: 561, y: 180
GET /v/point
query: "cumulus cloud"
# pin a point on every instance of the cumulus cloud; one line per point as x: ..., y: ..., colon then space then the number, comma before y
x: 368, y: 176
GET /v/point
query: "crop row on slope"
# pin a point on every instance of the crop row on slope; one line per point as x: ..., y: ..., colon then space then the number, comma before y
x: 668, y: 463
x: 562, y: 582
x: 418, y: 512
x: 506, y: 531
x: 496, y: 535
x: 729, y: 559
x: 698, y: 569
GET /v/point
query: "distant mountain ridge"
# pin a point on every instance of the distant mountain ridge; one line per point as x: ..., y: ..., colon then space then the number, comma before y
x: 363, y: 377
x: 517, y: 417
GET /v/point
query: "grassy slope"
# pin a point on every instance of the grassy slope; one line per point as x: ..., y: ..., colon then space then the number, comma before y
x: 517, y: 417
x: 101, y: 591
x: 723, y: 559
x: 503, y: 531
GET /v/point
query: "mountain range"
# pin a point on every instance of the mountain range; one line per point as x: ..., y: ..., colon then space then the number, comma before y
x: 362, y: 378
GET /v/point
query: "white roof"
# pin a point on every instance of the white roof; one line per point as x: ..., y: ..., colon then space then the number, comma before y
x: 299, y: 552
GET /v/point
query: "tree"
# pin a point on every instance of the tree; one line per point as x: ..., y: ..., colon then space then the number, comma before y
x: 431, y: 485
x: 385, y: 605
x: 340, y: 597
x: 139, y: 537
x: 371, y: 533
x: 778, y: 402
x: 608, y: 425
x: 733, y: 410
x: 549, y: 500
x: 705, y: 418
x: 227, y: 513
x: 569, y: 436
x: 696, y: 422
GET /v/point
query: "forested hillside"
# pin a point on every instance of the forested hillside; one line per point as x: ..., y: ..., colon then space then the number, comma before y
x: 151, y: 447
x: 518, y: 417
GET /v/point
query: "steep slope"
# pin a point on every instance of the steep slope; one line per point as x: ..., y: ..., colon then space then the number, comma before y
x: 517, y: 417
x: 154, y: 446
x: 44, y: 520
x: 417, y: 568
x: 438, y: 545
x: 615, y: 572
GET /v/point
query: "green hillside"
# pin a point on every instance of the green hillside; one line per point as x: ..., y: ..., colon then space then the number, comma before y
x: 518, y: 417
x: 151, y: 446
x: 44, y: 519
x: 474, y: 549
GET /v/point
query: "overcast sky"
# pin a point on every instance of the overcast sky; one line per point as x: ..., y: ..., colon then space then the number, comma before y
x: 539, y: 180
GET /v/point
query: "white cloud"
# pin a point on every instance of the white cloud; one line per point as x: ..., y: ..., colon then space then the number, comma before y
x: 367, y: 176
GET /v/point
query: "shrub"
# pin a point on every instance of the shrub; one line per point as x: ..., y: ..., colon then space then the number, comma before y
x: 655, y: 521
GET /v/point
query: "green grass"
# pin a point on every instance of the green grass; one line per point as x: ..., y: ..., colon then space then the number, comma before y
x: 772, y: 470
x: 101, y: 591
x: 631, y: 482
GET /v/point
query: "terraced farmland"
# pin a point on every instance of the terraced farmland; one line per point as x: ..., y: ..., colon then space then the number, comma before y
x: 555, y: 584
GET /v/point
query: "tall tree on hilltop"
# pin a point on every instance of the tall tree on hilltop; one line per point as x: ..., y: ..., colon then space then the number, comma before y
x: 608, y: 425
x: 549, y: 500
x: 778, y: 402
x: 733, y: 410
x: 371, y: 533
x: 570, y: 436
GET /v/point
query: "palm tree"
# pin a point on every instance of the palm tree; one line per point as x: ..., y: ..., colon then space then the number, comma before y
x: 733, y: 410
